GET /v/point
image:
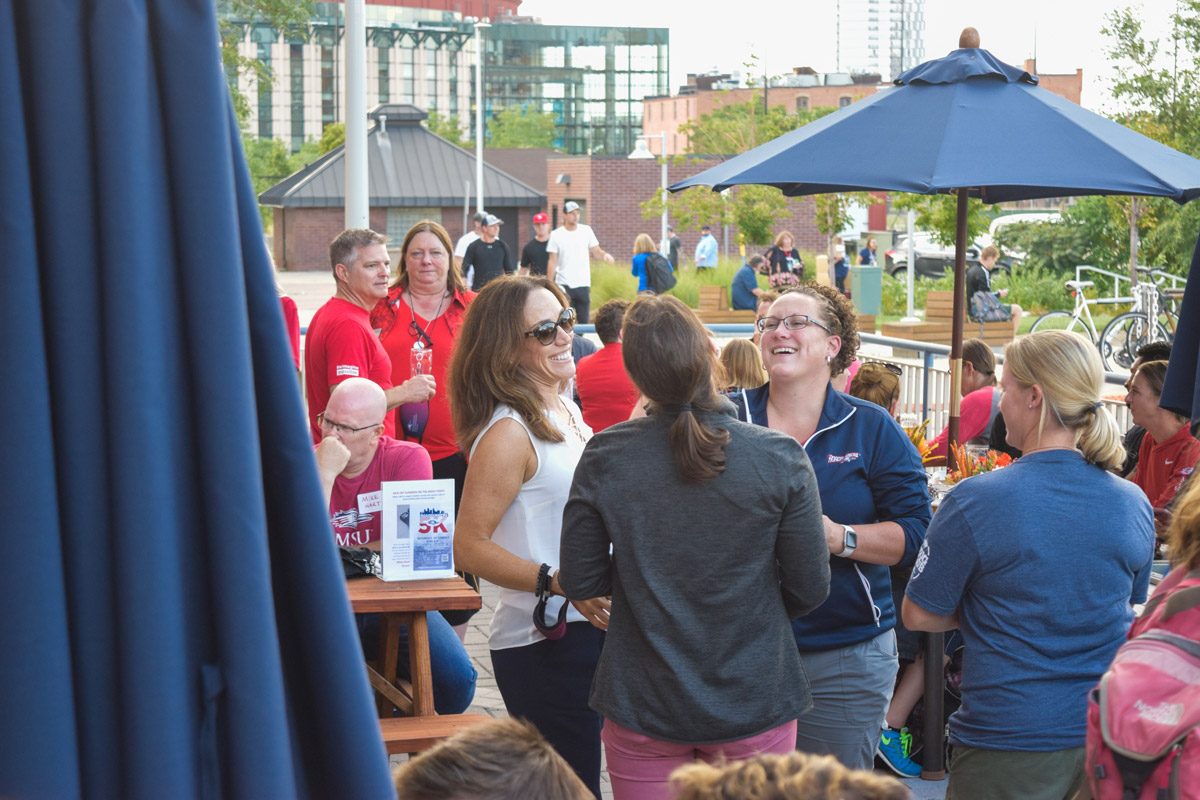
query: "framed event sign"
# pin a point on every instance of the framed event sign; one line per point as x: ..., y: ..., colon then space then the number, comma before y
x: 417, y: 531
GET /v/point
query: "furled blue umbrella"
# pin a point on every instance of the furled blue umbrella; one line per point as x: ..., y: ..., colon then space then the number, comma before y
x: 970, y: 125
x: 174, y: 619
x: 1181, y: 390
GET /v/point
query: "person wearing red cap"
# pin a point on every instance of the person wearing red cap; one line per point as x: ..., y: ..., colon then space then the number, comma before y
x: 533, y: 255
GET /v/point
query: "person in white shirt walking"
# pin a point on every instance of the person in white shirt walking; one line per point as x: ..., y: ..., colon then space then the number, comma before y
x: 706, y: 250
x: 571, y: 248
x: 464, y: 241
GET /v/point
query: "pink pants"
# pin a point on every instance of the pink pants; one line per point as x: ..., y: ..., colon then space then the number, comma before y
x: 639, y: 766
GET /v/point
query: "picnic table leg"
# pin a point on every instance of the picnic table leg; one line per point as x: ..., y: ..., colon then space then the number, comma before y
x: 389, y: 644
x: 419, y: 665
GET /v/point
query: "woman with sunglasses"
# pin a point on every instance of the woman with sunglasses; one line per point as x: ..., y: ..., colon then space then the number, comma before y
x: 699, y: 661
x: 426, y: 305
x: 523, y: 438
x: 876, y: 508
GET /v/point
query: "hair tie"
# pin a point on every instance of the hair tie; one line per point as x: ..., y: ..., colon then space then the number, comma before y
x: 1096, y: 406
x: 682, y: 408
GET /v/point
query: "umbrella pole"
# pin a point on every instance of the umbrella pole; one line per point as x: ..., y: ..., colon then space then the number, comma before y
x: 933, y: 765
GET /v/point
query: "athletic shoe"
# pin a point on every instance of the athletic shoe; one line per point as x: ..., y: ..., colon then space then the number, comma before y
x: 893, y: 751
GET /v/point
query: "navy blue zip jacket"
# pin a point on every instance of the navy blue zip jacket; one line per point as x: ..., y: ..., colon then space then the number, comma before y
x: 867, y: 471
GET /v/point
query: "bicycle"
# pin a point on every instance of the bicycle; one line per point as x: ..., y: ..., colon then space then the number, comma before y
x: 1078, y: 320
x: 1128, y: 332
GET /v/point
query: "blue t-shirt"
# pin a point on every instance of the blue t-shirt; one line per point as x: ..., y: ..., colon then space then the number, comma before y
x: 639, y: 270
x: 1042, y: 559
x: 742, y: 289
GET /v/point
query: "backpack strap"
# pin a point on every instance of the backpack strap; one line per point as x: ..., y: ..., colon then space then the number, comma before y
x: 1181, y: 600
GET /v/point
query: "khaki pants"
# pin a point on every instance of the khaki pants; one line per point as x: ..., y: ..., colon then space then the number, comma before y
x: 1014, y: 775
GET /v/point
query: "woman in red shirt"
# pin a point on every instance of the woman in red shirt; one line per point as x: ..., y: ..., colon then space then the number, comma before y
x: 426, y: 304
x: 1169, y: 452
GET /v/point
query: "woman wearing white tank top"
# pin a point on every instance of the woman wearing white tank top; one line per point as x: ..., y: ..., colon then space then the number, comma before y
x: 524, y: 438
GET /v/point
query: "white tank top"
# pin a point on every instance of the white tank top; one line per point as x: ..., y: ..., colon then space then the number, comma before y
x: 531, y: 526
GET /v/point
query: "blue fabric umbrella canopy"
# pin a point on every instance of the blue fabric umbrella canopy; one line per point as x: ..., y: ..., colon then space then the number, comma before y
x: 966, y: 121
x: 1181, y: 390
x: 174, y: 623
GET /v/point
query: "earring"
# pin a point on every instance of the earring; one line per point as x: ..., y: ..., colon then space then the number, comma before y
x: 828, y: 360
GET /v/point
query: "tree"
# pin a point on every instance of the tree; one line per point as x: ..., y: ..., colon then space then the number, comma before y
x: 332, y: 137
x: 517, y: 126
x: 833, y: 213
x: 447, y: 128
x: 1157, y: 88
x: 280, y: 14
x: 938, y: 214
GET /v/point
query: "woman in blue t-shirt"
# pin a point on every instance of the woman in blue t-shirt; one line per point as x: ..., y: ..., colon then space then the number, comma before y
x: 1037, y: 564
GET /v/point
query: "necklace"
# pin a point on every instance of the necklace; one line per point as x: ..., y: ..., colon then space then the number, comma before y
x: 412, y: 306
x: 571, y: 422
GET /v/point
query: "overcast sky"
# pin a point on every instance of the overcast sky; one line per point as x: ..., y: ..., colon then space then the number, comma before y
x: 1064, y: 34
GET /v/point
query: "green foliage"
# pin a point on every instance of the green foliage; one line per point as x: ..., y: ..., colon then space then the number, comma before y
x: 938, y: 214
x: 755, y: 210
x: 614, y: 280
x: 332, y: 137
x: 448, y: 128
x: 895, y: 293
x: 269, y: 161
x: 1054, y: 247
x: 1157, y: 87
x: 834, y: 212
x: 738, y: 127
x: 280, y: 14
x: 690, y: 208
x: 1035, y: 290
x: 521, y: 127
x: 1104, y: 229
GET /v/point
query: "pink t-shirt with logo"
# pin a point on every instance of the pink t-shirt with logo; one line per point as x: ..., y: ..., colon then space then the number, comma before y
x: 356, y: 503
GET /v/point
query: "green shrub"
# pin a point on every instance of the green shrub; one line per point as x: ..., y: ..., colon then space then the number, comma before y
x: 895, y: 293
x: 615, y: 280
x: 1035, y: 290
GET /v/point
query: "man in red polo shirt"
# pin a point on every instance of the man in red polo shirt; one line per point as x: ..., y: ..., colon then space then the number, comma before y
x: 341, y: 343
x: 606, y: 393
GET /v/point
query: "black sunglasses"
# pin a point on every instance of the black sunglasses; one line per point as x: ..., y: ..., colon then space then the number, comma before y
x: 546, y: 330
x: 418, y: 333
x: 890, y: 367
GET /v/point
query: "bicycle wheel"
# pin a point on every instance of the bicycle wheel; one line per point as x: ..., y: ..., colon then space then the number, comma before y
x: 1124, y: 336
x: 1062, y: 321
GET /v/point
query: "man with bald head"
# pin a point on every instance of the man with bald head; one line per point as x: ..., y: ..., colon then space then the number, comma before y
x: 354, y: 458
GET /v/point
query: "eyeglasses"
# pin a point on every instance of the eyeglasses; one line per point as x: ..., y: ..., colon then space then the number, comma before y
x: 418, y: 333
x: 793, y: 322
x: 337, y: 427
x: 546, y: 331
x: 889, y: 366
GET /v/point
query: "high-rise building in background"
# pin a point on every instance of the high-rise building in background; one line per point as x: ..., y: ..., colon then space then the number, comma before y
x: 884, y: 37
x: 423, y: 52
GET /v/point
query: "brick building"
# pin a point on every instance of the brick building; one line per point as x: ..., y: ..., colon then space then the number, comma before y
x: 413, y: 174
x: 611, y: 190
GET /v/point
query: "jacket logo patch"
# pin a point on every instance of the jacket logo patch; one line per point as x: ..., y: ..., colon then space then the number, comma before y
x: 347, y: 369
x: 843, y: 459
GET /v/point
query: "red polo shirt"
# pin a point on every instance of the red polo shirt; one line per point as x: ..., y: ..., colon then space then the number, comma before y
x: 605, y: 390
x: 341, y: 344
x: 1163, y: 467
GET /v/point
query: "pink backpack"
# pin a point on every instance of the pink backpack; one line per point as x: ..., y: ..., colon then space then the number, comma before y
x: 1143, y: 737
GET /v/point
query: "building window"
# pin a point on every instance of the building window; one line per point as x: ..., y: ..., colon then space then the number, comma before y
x: 296, y: 80
x: 802, y: 102
x: 385, y: 74
x: 328, y: 87
x: 400, y: 220
x: 264, y: 94
x: 844, y: 101
x: 406, y: 75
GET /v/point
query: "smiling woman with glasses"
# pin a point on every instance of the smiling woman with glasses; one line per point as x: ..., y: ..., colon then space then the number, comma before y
x: 524, y: 439
x: 876, y: 503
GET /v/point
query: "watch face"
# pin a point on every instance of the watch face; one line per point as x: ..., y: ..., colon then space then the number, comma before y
x: 851, y: 540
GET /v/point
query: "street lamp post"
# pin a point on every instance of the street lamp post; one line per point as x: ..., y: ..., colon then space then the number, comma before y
x: 357, y: 193
x: 480, y: 25
x: 642, y: 151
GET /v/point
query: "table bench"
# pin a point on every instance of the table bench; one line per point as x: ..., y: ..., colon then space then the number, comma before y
x: 405, y: 603
x: 939, y: 318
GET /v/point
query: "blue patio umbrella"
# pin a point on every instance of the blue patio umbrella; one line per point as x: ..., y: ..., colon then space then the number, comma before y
x: 970, y: 125
x: 174, y: 619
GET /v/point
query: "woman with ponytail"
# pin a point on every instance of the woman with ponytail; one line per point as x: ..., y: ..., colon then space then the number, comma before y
x: 1038, y: 565
x: 707, y: 533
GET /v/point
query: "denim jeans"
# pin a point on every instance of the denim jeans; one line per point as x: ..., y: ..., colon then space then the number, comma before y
x: 453, y: 675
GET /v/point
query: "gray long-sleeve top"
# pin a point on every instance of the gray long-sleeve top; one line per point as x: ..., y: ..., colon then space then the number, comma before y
x: 704, y: 579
